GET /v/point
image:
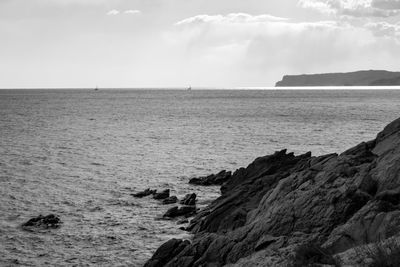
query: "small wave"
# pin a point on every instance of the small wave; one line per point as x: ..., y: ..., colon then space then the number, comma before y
x: 96, y: 164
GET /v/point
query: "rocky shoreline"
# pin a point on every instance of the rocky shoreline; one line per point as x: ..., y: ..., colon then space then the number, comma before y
x: 287, y: 210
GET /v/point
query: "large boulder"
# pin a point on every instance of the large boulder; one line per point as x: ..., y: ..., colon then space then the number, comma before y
x: 170, y: 200
x: 144, y: 193
x: 50, y: 221
x: 162, y: 195
x: 167, y: 252
x: 189, y: 200
x: 186, y: 211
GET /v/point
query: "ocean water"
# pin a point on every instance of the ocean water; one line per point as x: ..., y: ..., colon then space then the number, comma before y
x: 81, y: 153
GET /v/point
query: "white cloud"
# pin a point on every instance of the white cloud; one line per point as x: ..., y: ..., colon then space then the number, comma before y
x: 132, y: 11
x: 230, y: 18
x: 263, y: 47
x: 385, y: 29
x: 354, y: 8
x: 113, y: 12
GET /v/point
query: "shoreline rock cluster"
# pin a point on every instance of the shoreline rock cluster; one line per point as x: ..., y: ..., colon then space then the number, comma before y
x: 187, y: 208
x: 280, y: 203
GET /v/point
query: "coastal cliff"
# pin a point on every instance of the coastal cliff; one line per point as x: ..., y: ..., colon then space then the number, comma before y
x: 283, y: 204
x: 358, y: 78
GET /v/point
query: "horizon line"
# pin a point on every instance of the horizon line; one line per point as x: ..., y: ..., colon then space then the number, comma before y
x: 354, y: 87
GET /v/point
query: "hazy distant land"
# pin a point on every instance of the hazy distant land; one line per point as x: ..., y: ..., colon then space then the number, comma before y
x: 358, y: 78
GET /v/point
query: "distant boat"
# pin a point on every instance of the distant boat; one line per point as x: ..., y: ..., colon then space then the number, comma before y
x: 96, y: 89
x: 189, y: 88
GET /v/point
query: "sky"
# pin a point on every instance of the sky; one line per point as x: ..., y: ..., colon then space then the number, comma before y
x: 202, y: 43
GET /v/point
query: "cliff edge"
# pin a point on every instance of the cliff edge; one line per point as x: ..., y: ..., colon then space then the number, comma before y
x: 282, y: 202
x: 358, y: 78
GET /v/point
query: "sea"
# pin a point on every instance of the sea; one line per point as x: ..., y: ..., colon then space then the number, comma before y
x: 81, y: 154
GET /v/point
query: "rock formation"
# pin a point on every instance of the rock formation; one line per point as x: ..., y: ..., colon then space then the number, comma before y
x: 186, y: 211
x: 162, y: 195
x: 43, y: 222
x: 189, y: 200
x: 213, y: 179
x: 144, y: 193
x: 281, y: 202
x: 170, y: 200
x: 358, y: 78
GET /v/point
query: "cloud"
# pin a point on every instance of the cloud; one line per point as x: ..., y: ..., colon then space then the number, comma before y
x: 385, y: 29
x: 236, y: 18
x: 263, y: 47
x: 386, y: 4
x: 354, y: 8
x: 113, y: 12
x: 132, y: 11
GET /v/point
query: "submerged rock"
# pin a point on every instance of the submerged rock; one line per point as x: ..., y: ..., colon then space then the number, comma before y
x: 213, y: 179
x: 144, y: 193
x: 189, y: 200
x: 170, y: 200
x: 180, y: 211
x: 283, y: 202
x: 163, y: 195
x: 45, y: 222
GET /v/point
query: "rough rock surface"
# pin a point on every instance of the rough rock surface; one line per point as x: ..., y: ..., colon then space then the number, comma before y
x: 282, y: 201
x: 170, y: 200
x: 189, y: 200
x: 44, y: 222
x: 162, y: 195
x: 144, y: 193
x: 166, y: 252
x: 180, y: 211
x: 213, y: 179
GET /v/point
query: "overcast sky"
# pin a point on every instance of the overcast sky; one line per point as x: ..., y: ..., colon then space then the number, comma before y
x: 213, y: 43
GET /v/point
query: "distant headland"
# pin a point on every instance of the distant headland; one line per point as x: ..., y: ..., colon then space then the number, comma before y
x: 357, y: 78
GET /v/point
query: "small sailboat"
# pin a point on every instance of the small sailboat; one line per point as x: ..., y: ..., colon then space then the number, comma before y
x: 97, y: 88
x: 189, y: 88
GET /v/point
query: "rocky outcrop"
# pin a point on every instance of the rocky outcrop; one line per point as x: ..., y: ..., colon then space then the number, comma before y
x: 213, y: 179
x: 50, y: 221
x: 162, y: 195
x: 281, y: 202
x: 170, y: 200
x: 186, y: 211
x: 189, y: 200
x: 358, y: 78
x: 167, y: 252
x: 144, y: 193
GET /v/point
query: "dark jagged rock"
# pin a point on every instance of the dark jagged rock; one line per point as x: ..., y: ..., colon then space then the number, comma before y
x: 162, y: 195
x: 281, y: 202
x: 45, y: 222
x: 189, y: 200
x: 180, y: 211
x: 144, y: 193
x: 167, y: 252
x: 183, y: 221
x: 213, y: 179
x: 170, y: 200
